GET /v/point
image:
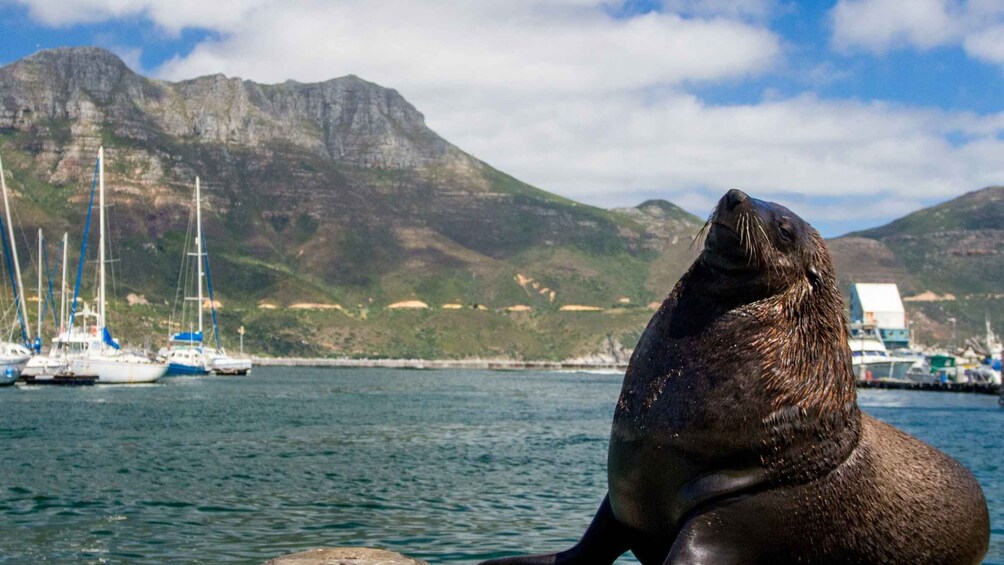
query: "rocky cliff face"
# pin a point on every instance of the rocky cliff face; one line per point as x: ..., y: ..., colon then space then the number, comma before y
x: 331, y: 192
x: 346, y: 119
x: 337, y: 192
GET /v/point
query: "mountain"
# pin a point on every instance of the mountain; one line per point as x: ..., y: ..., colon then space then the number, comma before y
x: 331, y: 193
x: 948, y: 260
x: 327, y: 203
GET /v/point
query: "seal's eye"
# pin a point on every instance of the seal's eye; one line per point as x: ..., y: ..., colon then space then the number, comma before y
x: 784, y: 228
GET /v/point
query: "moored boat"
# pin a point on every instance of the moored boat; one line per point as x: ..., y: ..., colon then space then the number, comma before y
x: 87, y: 346
x: 13, y: 356
x: 186, y: 352
x: 227, y: 365
x: 870, y: 360
x: 185, y: 355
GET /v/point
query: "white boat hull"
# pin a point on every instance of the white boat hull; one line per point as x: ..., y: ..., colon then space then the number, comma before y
x: 10, y: 369
x: 42, y: 365
x: 112, y: 370
x: 231, y: 366
x: 887, y: 368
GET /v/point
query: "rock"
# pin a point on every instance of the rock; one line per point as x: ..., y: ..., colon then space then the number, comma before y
x: 345, y: 556
x: 345, y: 119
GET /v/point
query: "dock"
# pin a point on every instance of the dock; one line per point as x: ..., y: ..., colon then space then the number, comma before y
x: 60, y: 380
x: 975, y: 388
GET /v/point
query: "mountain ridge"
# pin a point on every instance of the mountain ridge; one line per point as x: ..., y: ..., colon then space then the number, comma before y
x: 331, y: 192
x: 337, y: 192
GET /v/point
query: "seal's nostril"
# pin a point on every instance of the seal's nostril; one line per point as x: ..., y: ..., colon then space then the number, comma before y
x: 734, y: 197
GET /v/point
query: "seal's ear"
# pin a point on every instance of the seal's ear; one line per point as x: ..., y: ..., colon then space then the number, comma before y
x: 815, y: 279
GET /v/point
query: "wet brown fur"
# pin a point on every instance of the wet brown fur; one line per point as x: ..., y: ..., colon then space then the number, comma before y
x: 737, y: 438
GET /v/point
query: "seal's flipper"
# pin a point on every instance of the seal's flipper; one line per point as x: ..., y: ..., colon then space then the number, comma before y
x: 604, y: 541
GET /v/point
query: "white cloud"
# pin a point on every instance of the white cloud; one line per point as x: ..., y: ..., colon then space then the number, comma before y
x: 746, y: 9
x: 881, y: 25
x: 171, y: 16
x: 618, y: 149
x: 571, y: 99
x: 514, y: 45
x: 878, y: 25
x: 987, y: 44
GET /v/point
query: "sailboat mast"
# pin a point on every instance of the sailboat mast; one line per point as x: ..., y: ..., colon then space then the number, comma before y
x: 17, y: 264
x: 62, y: 295
x: 40, y: 268
x: 101, y: 237
x: 198, y: 247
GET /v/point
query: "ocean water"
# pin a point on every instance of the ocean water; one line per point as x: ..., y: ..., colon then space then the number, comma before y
x: 447, y: 466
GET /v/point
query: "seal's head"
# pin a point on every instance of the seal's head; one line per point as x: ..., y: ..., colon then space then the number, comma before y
x: 765, y: 284
x: 761, y: 248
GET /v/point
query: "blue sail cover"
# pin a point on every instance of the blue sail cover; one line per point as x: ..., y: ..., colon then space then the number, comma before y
x: 109, y: 340
x: 187, y: 337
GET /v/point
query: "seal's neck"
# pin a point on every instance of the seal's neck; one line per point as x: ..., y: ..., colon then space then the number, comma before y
x: 792, y: 347
x: 796, y: 339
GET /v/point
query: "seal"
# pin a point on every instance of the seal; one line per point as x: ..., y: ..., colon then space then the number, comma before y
x: 737, y: 438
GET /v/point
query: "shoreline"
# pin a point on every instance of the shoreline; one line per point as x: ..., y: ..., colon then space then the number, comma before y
x: 492, y: 364
x: 568, y: 365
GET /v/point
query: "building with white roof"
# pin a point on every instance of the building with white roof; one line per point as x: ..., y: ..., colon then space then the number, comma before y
x: 880, y: 305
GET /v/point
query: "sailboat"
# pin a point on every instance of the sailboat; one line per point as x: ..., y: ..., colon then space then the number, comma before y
x: 86, y: 346
x: 49, y: 363
x: 186, y: 352
x: 13, y: 356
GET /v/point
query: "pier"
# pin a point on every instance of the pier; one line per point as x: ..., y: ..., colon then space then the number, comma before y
x: 976, y: 388
x: 60, y: 380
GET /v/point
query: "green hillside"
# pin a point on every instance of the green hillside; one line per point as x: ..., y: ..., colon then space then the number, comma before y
x: 327, y: 203
x: 333, y: 193
x: 953, y: 250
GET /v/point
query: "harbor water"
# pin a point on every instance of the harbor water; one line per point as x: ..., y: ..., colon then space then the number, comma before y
x: 447, y: 466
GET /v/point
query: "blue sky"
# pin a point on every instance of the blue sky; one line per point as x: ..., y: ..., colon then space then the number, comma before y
x: 851, y: 112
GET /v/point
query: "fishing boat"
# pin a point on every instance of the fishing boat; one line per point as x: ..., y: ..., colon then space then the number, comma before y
x: 13, y: 356
x: 186, y: 352
x: 86, y: 346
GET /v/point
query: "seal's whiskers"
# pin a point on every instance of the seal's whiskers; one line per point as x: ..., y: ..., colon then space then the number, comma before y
x: 702, y: 233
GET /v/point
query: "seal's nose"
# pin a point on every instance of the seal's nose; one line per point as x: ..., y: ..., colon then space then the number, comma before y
x: 734, y: 197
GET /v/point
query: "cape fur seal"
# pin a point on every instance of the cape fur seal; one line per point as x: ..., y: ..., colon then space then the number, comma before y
x: 737, y: 438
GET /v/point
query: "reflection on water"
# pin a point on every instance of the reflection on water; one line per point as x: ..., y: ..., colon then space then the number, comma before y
x: 448, y: 466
